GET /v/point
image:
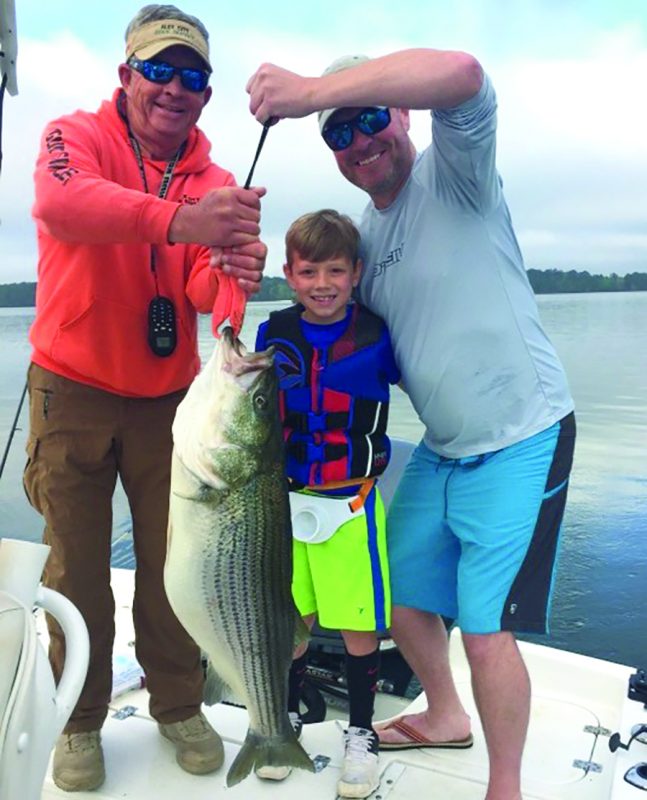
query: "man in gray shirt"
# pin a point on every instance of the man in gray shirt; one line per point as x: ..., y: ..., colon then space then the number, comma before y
x: 474, y: 528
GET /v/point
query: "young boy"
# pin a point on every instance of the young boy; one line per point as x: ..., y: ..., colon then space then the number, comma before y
x: 335, y: 364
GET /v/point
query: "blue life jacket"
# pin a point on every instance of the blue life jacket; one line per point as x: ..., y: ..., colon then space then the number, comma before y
x: 334, y: 401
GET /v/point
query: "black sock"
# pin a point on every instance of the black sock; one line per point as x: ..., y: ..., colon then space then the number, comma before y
x: 361, y: 676
x: 295, y: 682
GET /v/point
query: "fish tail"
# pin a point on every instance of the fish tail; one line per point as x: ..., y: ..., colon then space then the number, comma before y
x: 258, y: 751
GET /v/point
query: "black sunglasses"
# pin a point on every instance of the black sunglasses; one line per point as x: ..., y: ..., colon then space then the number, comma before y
x: 369, y: 121
x: 195, y: 80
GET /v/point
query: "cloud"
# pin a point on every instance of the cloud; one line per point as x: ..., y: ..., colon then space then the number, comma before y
x: 54, y: 77
x: 572, y: 155
x: 561, y: 249
x: 571, y: 127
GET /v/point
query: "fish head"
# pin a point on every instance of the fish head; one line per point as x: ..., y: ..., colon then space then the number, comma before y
x: 228, y: 427
x: 245, y: 393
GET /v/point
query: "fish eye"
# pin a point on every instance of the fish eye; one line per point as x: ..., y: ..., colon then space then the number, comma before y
x: 260, y: 401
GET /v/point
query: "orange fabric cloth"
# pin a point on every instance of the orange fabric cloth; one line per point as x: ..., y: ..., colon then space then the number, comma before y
x: 95, y: 228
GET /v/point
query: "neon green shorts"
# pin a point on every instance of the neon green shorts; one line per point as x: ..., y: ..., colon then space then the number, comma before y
x: 345, y: 580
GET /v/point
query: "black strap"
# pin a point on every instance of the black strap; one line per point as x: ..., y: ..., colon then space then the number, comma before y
x: 330, y: 452
x: 168, y: 172
x: 299, y: 421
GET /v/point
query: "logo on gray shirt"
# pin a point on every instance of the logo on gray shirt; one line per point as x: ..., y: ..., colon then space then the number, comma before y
x: 392, y: 258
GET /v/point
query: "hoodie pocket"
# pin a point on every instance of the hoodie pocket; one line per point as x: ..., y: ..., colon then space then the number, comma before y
x: 108, y: 344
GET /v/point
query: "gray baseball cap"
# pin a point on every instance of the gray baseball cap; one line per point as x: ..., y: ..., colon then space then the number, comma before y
x: 339, y: 64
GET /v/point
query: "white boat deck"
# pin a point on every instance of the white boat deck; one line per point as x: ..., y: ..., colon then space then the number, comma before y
x: 573, y: 697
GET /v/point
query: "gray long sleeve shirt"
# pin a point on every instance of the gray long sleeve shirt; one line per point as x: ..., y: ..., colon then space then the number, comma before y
x: 443, y: 268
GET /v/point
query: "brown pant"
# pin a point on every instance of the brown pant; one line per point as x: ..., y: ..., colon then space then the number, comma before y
x: 80, y: 439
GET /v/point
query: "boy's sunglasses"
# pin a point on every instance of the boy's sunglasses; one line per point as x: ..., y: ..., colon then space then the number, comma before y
x: 369, y: 121
x: 195, y: 80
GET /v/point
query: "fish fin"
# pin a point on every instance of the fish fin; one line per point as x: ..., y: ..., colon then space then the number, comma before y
x: 301, y: 631
x: 214, y: 686
x: 258, y: 751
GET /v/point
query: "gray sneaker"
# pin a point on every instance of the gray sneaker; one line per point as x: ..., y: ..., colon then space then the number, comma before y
x: 359, y: 774
x: 198, y: 747
x: 268, y: 773
x: 78, y: 762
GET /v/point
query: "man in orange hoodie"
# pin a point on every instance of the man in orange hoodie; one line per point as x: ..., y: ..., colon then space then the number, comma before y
x: 138, y: 229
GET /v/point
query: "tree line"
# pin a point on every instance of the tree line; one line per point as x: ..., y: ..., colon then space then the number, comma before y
x: 547, y: 281
x: 22, y: 295
x: 554, y: 281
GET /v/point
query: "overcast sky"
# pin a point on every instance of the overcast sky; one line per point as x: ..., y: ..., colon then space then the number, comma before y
x: 570, y: 77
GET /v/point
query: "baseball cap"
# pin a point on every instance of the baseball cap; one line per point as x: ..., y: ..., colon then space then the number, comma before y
x: 339, y: 64
x: 151, y: 38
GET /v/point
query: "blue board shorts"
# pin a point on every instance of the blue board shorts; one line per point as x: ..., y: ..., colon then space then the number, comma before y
x: 476, y: 539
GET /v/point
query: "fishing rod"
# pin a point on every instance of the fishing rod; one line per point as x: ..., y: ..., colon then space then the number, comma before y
x: 14, y: 428
x: 266, y: 126
x: 238, y: 298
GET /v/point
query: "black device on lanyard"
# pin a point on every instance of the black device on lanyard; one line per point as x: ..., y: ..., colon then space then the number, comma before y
x: 162, y: 324
x: 162, y: 329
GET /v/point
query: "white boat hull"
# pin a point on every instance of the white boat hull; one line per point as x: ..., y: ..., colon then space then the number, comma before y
x: 577, y: 703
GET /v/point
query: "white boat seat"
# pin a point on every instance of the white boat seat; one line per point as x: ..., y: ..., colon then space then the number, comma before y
x: 33, y: 710
x: 12, y: 633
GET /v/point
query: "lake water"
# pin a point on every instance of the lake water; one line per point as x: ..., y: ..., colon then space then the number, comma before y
x: 600, y: 603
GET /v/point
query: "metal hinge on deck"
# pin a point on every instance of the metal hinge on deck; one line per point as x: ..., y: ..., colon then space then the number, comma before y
x: 597, y: 730
x: 587, y: 766
x: 388, y: 779
x: 125, y: 712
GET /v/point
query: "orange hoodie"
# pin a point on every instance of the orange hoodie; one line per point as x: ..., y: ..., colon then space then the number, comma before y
x: 95, y: 228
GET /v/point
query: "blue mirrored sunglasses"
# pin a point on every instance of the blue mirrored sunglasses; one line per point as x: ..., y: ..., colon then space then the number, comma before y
x: 369, y: 121
x: 195, y: 80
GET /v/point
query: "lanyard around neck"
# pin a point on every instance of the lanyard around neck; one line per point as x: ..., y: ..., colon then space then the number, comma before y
x: 166, y: 179
x: 170, y: 167
x: 168, y: 172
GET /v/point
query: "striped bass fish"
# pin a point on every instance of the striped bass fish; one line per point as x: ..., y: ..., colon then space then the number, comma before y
x: 228, y: 567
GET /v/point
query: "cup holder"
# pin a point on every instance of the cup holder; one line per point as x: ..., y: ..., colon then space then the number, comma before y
x: 637, y: 776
